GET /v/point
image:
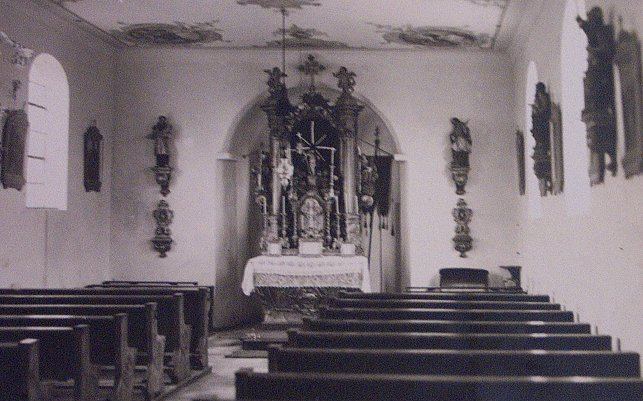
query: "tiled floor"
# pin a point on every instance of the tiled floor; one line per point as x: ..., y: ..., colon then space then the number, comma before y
x: 220, y: 383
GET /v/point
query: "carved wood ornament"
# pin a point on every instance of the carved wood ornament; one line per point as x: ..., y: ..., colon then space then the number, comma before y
x: 462, y: 216
x: 599, y: 113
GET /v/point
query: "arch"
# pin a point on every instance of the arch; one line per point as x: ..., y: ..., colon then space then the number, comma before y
x: 533, y: 192
x: 48, y: 138
x: 573, y: 57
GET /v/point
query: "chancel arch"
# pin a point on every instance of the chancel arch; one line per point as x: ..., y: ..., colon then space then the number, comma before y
x: 240, y: 157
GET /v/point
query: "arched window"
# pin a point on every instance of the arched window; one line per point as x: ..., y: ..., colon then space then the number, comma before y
x: 533, y: 191
x: 48, y: 138
x: 573, y: 61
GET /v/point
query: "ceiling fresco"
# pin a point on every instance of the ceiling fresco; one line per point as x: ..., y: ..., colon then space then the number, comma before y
x: 310, y: 24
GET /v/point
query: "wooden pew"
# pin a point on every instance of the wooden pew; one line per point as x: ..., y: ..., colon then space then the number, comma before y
x: 446, y: 314
x: 170, y: 320
x: 64, y: 354
x: 451, y: 296
x: 439, y: 304
x: 443, y: 326
x: 196, y: 304
x: 165, y: 284
x: 20, y: 371
x: 454, y: 362
x: 372, y: 387
x: 580, y: 342
x: 142, y: 332
x: 108, y: 344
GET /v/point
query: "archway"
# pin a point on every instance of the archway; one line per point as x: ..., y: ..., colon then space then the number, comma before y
x: 243, y: 144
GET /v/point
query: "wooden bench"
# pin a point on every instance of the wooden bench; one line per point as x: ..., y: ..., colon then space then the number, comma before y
x: 443, y: 326
x: 439, y: 304
x: 63, y: 354
x: 108, y: 344
x: 20, y: 371
x: 142, y: 332
x: 450, y: 296
x: 581, y: 342
x: 162, y: 284
x: 372, y: 387
x: 454, y: 362
x: 446, y: 314
x: 170, y: 320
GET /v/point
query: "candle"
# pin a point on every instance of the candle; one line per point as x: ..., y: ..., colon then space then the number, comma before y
x: 283, y: 205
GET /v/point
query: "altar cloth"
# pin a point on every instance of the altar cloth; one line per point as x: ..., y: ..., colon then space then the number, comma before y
x: 302, y: 271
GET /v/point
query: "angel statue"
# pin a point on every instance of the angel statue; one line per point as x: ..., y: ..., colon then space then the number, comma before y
x: 460, y: 142
x: 162, y: 134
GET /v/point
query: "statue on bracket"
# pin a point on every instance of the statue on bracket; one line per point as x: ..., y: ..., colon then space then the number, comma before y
x: 540, y: 129
x: 92, y: 139
x: 162, y: 136
x: 599, y: 114
x: 462, y: 216
x: 460, y: 148
x: 162, y: 241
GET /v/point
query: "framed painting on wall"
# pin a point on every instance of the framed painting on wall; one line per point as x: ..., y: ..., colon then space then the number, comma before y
x: 557, y: 167
x: 520, y: 153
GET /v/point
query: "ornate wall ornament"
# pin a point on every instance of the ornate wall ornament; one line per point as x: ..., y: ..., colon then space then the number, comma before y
x: 540, y: 119
x: 280, y: 4
x: 305, y: 38
x: 162, y: 136
x: 92, y: 150
x: 557, y: 165
x: 432, y: 36
x: 162, y: 241
x: 178, y: 33
x: 460, y: 139
x: 599, y: 112
x: 628, y: 61
x: 462, y: 217
x: 520, y: 155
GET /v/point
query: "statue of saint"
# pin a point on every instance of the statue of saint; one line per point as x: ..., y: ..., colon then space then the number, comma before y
x: 162, y: 135
x: 460, y: 142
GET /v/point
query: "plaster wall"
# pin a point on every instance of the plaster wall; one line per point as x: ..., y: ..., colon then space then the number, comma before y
x: 205, y: 93
x: 584, y: 246
x: 54, y: 248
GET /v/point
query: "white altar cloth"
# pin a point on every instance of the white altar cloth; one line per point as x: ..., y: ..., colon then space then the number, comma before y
x: 302, y: 271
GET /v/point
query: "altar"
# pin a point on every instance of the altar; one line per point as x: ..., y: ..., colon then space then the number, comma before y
x: 301, y: 283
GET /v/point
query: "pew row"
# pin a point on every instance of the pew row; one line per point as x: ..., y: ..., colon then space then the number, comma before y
x: 439, y: 304
x: 142, y: 332
x: 378, y: 387
x: 19, y: 371
x: 581, y: 342
x: 196, y: 303
x: 450, y: 296
x: 63, y: 355
x: 446, y: 314
x: 108, y: 344
x: 454, y: 362
x: 443, y: 326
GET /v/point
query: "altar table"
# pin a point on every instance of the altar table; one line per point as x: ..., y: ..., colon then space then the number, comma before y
x: 303, y: 271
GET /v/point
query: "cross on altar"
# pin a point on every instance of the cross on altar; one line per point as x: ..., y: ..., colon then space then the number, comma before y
x: 311, y: 67
x: 311, y: 149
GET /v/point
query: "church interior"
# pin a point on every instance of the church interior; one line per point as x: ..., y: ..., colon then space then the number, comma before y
x: 321, y: 200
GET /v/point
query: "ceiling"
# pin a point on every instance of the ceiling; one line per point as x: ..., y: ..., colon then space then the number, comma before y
x: 310, y: 24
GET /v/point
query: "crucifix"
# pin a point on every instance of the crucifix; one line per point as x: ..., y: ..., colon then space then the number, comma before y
x: 311, y: 67
x: 311, y: 148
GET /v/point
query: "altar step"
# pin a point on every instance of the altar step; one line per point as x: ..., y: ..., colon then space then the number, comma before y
x: 261, y: 340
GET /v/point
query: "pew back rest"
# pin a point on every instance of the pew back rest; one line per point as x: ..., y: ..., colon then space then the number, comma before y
x: 19, y: 370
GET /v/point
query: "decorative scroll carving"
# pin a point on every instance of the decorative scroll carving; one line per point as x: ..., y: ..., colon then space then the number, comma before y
x: 162, y: 136
x: 520, y: 153
x: 599, y: 112
x: 628, y: 61
x: 304, y: 300
x: 460, y: 138
x: 462, y: 217
x: 540, y: 117
x: 162, y: 241
x: 557, y: 166
x: 92, y: 145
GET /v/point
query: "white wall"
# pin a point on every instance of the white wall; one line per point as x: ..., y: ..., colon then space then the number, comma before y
x: 60, y: 248
x: 584, y: 246
x: 205, y: 94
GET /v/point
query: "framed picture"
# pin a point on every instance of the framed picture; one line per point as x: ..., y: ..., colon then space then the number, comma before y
x: 520, y: 152
x: 557, y: 167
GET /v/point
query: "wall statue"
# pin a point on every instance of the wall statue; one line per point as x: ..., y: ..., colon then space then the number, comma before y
x: 599, y: 112
x: 92, y: 144
x: 162, y: 136
x: 540, y: 118
x: 460, y: 138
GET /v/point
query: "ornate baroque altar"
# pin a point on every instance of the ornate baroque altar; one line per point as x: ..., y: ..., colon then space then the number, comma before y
x: 309, y: 185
